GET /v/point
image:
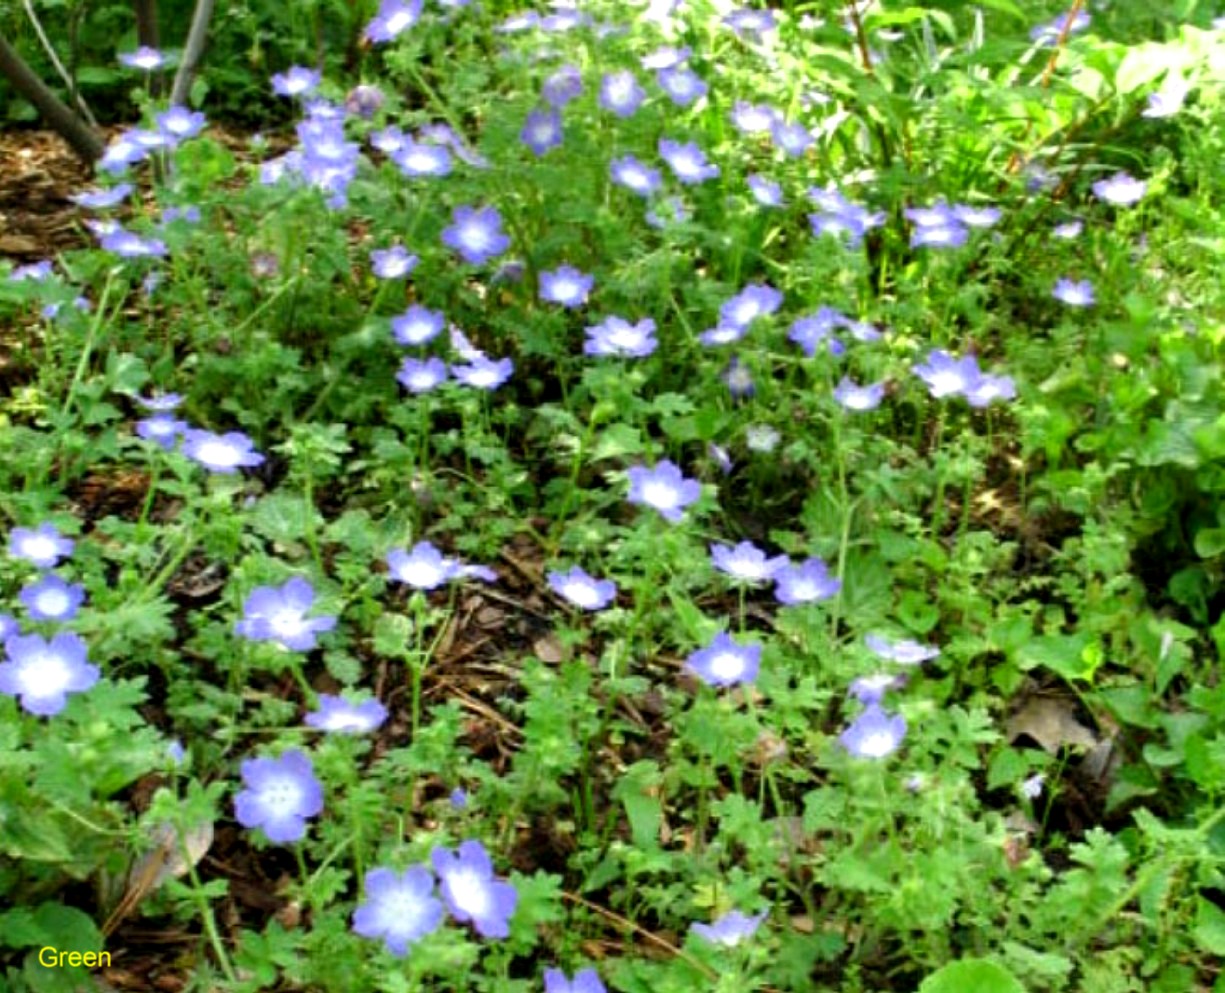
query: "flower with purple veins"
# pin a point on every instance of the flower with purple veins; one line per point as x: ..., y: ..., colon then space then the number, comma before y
x: 42, y: 546
x: 621, y: 94
x: 144, y: 58
x: 739, y: 378
x: 542, y: 130
x: 1121, y: 189
x: 566, y: 286
x: 422, y: 375
x: 723, y: 663
x: 476, y: 234
x: 51, y: 599
x: 393, y: 263
x: 103, y: 199
x: 905, y: 652
x: 280, y: 795
x: 947, y: 376
x: 224, y: 453
x: 296, y: 81
x: 1075, y: 293
x: 664, y: 489
x: 751, y: 118
x: 683, y: 86
x: 341, y: 716
x: 400, y: 907
x: 874, y: 734
x: 583, y: 590
x: 180, y: 123
x: 484, y: 373
x: 416, y: 159
x: 792, y: 139
x: 584, y: 981
x: 730, y: 929
x: 278, y: 614
x: 872, y: 689
x: 859, y: 398
x: 754, y: 301
x: 746, y: 563
x: 765, y: 191
x: 808, y: 582
x: 471, y: 891
x: 42, y: 673
x: 635, y: 176
x: 394, y: 18
x: 423, y: 568
x: 562, y: 86
x: 417, y: 325
x: 687, y: 161
x: 617, y: 336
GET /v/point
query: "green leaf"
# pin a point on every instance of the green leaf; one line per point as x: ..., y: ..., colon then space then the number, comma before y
x: 978, y: 975
x: 1072, y: 656
x: 1209, y: 542
x: 1209, y: 930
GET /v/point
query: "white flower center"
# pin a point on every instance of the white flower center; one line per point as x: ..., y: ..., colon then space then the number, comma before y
x: 281, y: 797
x: 580, y: 593
x: 658, y: 494
x: 947, y: 381
x: 44, y: 675
x: 39, y: 547
x: 727, y: 666
x: 398, y: 21
x: 877, y: 745
x: 420, y: 574
x: 217, y: 453
x: 470, y: 892
x: 287, y: 623
x: 53, y: 602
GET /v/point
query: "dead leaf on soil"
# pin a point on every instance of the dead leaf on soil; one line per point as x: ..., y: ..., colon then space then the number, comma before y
x: 1051, y: 722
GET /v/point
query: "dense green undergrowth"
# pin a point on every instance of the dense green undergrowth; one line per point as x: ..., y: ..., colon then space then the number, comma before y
x: 865, y: 361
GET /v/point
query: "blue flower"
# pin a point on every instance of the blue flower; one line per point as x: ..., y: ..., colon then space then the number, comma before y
x: 765, y: 191
x: 584, y: 981
x: 746, y: 563
x: 484, y: 373
x: 874, y: 733
x: 280, y: 795
x: 393, y: 263
x: 809, y: 582
x: 224, y: 453
x: 296, y: 81
x: 1073, y: 292
x: 415, y: 159
x: 687, y: 161
x: 471, y: 892
x: 1121, y: 189
x: 664, y: 489
x: 51, y: 599
x: 617, y: 336
x: 278, y: 614
x: 422, y: 376
x: 562, y: 86
x: 102, y: 199
x: 42, y: 546
x: 683, y: 86
x: 476, y: 234
x: 144, y: 57
x: 394, y: 17
x: 43, y: 673
x: 417, y: 325
x: 750, y: 118
x: 905, y: 652
x: 400, y: 907
x: 854, y: 397
x: 792, y: 139
x: 620, y: 93
x: 757, y: 300
x: 336, y: 714
x: 635, y: 176
x: 723, y: 663
x: 730, y: 929
x: 180, y: 123
x: 542, y: 130
x: 583, y: 590
x: 946, y: 375
x: 566, y: 286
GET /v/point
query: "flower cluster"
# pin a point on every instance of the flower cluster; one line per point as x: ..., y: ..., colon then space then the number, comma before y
x: 947, y: 376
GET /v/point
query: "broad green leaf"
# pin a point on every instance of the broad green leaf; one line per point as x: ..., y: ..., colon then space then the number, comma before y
x: 977, y: 975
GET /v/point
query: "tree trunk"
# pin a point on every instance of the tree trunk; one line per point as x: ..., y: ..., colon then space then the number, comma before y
x: 192, y: 51
x: 147, y: 34
x: 75, y: 131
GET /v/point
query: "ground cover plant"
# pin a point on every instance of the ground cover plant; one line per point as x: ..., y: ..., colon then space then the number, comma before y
x: 645, y: 498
